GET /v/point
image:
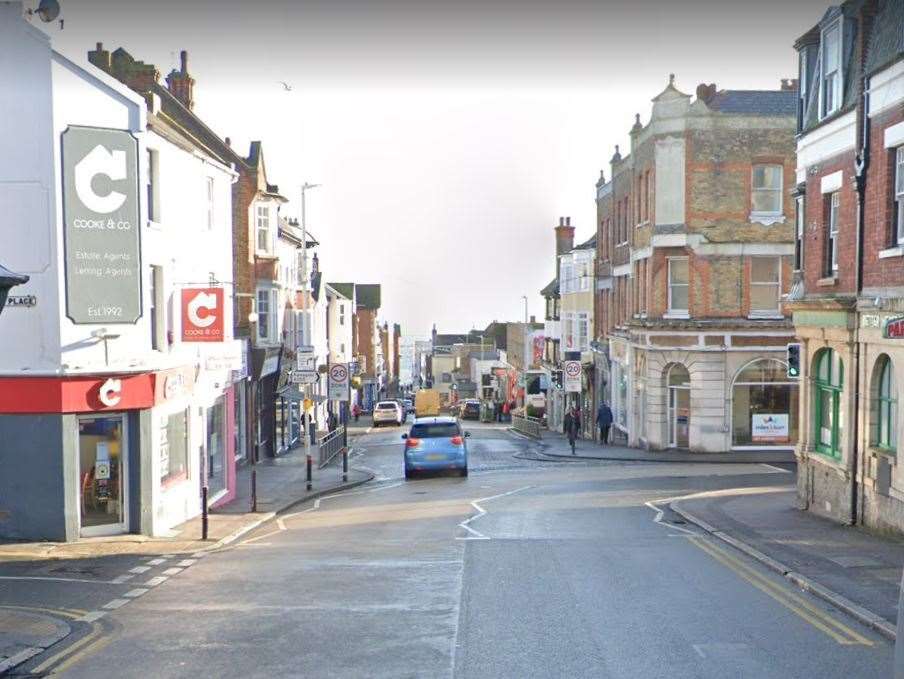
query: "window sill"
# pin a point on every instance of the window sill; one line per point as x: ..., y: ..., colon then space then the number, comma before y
x: 266, y: 255
x: 827, y: 282
x: 766, y: 316
x: 897, y: 251
x: 681, y: 315
x: 767, y: 218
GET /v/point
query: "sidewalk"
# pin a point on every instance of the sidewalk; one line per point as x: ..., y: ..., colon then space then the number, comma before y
x: 280, y: 485
x: 555, y: 444
x: 25, y: 634
x: 852, y: 569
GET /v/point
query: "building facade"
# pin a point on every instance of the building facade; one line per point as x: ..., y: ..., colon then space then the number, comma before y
x: 849, y: 266
x: 695, y: 250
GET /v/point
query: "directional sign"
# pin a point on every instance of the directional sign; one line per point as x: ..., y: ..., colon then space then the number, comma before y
x: 572, y: 376
x: 306, y: 361
x: 338, y: 389
x: 303, y: 377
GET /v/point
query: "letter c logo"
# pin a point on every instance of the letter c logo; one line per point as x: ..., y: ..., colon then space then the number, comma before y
x: 110, y: 392
x: 100, y: 161
x: 202, y: 300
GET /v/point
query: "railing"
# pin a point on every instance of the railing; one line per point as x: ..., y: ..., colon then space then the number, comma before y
x: 529, y: 426
x: 331, y: 445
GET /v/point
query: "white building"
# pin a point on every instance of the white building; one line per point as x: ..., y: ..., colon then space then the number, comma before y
x: 121, y: 367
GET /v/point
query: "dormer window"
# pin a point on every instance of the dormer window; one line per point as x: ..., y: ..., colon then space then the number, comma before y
x: 831, y: 93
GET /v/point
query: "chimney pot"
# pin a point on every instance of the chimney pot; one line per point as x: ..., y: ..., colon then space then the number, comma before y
x: 183, y: 57
x: 568, y: 221
x: 228, y: 141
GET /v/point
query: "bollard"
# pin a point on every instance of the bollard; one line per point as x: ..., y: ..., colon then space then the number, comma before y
x: 310, y: 465
x: 204, y: 513
x: 345, y: 464
x: 253, y: 489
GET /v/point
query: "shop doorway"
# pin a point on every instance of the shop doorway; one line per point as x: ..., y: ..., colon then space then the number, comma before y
x: 103, y: 472
x: 679, y: 407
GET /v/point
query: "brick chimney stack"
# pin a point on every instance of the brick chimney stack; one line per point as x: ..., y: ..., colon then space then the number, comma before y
x: 137, y: 75
x: 181, y: 85
x: 564, y: 239
x: 706, y: 93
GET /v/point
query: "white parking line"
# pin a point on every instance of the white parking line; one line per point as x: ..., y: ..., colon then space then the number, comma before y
x: 185, y: 563
x: 475, y: 534
x: 122, y: 578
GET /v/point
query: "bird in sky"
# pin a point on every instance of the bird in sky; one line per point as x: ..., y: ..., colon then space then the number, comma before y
x: 286, y: 86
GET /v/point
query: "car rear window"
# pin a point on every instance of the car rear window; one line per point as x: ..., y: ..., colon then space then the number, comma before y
x: 386, y: 406
x: 435, y: 430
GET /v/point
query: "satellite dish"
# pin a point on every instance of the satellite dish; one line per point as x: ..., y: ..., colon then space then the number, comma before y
x: 48, y: 10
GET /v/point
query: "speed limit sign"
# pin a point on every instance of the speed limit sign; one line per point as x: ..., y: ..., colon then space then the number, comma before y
x: 572, y: 376
x: 338, y: 388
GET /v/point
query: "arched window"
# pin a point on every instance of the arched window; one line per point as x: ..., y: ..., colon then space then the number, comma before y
x: 886, y: 400
x: 764, y: 405
x: 678, y: 376
x: 828, y: 417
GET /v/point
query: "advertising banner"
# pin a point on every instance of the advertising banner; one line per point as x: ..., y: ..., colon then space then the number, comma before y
x: 202, y: 315
x: 101, y: 226
x: 766, y: 428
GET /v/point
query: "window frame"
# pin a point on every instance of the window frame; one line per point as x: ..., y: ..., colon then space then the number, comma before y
x: 800, y: 220
x: 777, y: 284
x: 772, y: 191
x: 262, y: 228
x: 886, y: 399
x: 837, y: 75
x: 832, y: 208
x: 154, y: 215
x: 211, y: 192
x: 898, y: 193
x: 833, y: 387
x: 672, y: 310
x: 270, y: 328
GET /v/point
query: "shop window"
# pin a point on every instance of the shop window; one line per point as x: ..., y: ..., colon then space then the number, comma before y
x: 764, y: 405
x: 766, y: 198
x: 679, y: 420
x: 174, y: 448
x: 678, y: 285
x: 885, y: 395
x: 828, y: 416
x: 765, y: 285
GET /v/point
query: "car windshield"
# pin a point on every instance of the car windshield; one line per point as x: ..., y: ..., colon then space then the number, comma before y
x: 435, y: 430
x: 386, y: 406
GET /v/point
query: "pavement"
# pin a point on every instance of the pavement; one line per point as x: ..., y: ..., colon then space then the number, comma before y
x: 27, y: 630
x: 555, y: 444
x: 851, y: 568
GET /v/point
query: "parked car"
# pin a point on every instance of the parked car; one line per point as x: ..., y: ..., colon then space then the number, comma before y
x: 388, y: 412
x: 408, y: 405
x: 435, y: 444
x: 470, y: 410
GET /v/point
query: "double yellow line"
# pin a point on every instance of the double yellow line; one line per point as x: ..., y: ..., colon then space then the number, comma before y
x: 797, y: 604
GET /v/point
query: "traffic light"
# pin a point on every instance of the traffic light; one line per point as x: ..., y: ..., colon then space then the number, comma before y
x: 793, y: 360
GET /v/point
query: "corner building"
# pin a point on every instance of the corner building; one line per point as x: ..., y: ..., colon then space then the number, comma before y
x: 694, y: 253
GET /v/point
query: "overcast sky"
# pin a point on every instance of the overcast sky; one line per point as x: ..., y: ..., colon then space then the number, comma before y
x: 448, y: 136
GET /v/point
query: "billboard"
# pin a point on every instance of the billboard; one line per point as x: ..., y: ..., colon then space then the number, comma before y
x: 101, y: 227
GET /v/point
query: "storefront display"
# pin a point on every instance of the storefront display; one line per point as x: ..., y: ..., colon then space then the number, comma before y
x: 216, y: 448
x: 101, y: 474
x: 764, y: 406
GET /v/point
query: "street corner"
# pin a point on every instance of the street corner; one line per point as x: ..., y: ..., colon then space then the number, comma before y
x: 25, y: 633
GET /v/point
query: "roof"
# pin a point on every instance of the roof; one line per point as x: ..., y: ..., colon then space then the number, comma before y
x: 587, y: 245
x: 551, y: 289
x: 450, y: 339
x: 755, y: 102
x: 347, y: 290
x: 368, y: 295
x: 887, y: 42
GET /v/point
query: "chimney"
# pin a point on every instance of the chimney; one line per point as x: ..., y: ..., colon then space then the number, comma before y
x: 136, y: 75
x: 706, y: 93
x: 533, y: 319
x: 181, y: 85
x: 564, y: 239
x: 228, y: 142
x: 101, y: 58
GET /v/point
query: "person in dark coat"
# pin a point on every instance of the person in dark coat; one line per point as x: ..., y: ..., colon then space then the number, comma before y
x: 604, y: 421
x: 572, y: 425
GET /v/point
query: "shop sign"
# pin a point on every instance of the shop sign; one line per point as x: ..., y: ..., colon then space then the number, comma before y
x: 229, y: 357
x: 110, y: 392
x: 338, y: 383
x: 174, y: 383
x: 101, y: 226
x: 271, y: 363
x: 894, y: 328
x: 21, y: 301
x: 202, y: 315
x: 572, y: 373
x: 769, y: 428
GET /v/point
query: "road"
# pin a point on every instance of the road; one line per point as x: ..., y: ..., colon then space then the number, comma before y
x: 527, y: 568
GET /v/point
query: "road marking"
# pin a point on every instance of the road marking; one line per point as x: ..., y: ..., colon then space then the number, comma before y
x: 136, y: 592
x: 96, y: 630
x: 49, y: 579
x: 281, y: 524
x: 777, y: 469
x: 654, y: 505
x: 185, y: 563
x: 139, y: 569
x: 19, y: 658
x: 156, y: 562
x: 153, y: 582
x: 92, y: 616
x: 172, y: 571
x: 200, y: 555
x: 122, y: 578
x: 798, y: 605
x: 476, y: 534
x: 116, y: 603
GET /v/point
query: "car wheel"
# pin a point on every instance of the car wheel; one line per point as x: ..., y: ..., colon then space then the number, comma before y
x: 409, y: 473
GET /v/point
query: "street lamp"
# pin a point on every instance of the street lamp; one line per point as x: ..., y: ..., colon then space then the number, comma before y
x: 8, y: 280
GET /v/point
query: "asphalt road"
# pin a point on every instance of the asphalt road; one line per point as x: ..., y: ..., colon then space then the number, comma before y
x: 528, y: 568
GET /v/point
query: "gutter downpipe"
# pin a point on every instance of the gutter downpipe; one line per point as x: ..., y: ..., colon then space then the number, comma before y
x: 861, y: 166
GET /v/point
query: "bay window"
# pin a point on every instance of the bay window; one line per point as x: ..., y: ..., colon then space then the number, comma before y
x: 262, y: 221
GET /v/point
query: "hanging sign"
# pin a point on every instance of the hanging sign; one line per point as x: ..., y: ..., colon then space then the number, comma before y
x: 202, y: 314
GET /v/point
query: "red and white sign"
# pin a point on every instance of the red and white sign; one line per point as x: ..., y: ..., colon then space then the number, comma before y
x: 202, y: 315
x: 894, y: 328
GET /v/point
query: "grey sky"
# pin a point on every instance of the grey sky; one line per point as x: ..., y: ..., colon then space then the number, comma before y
x: 448, y: 136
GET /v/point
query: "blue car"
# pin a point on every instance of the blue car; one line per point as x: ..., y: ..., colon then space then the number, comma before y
x: 435, y: 444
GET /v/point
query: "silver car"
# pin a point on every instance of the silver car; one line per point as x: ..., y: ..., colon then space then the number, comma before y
x: 388, y: 412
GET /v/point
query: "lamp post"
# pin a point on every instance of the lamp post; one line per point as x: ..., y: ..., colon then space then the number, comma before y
x: 308, y: 433
x: 8, y: 280
x: 524, y: 297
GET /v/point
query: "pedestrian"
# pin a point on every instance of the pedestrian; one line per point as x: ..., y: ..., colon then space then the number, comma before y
x: 572, y: 424
x: 331, y: 422
x: 604, y: 421
x: 356, y: 411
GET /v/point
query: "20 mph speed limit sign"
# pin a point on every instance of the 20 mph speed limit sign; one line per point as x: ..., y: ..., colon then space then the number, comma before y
x: 571, y: 374
x: 338, y: 389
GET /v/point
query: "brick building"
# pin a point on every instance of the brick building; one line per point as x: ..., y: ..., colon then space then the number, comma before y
x: 849, y: 261
x: 694, y: 250
x: 368, y: 349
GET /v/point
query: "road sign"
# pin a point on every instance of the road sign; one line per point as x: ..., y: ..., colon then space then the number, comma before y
x: 306, y: 361
x: 304, y: 377
x: 338, y: 383
x: 572, y: 376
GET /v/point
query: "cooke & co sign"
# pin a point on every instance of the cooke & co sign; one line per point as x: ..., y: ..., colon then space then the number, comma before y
x: 101, y: 225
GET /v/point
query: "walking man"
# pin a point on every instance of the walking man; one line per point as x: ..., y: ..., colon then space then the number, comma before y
x: 572, y: 423
x: 604, y: 421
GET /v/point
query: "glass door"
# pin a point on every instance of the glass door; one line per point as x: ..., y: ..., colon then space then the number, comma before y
x: 103, y: 446
x: 679, y: 417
